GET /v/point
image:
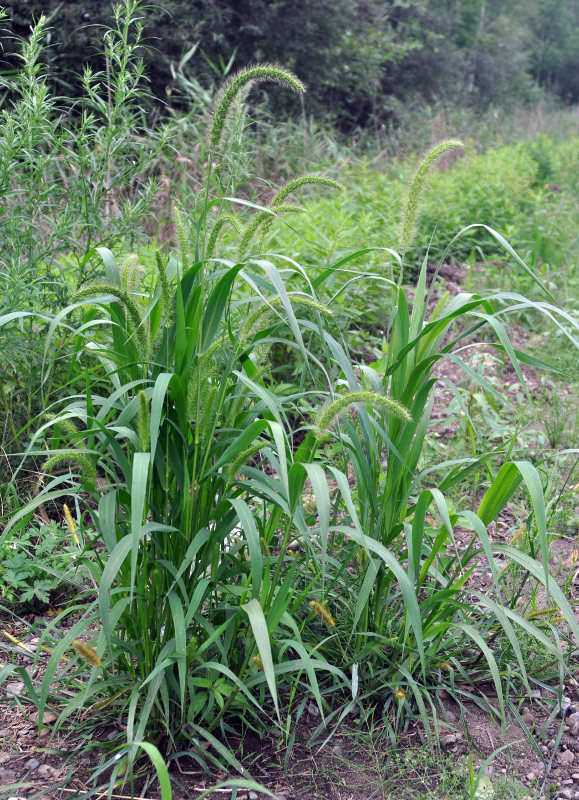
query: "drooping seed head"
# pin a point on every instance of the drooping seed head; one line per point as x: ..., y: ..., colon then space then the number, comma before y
x: 239, y: 83
x: 322, y: 612
x: 259, y: 317
x: 81, y: 460
x: 332, y: 409
x: 217, y: 230
x: 87, y: 652
x: 264, y: 220
x: 135, y: 323
x: 304, y: 180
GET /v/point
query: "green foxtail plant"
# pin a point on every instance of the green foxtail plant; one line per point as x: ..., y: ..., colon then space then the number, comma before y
x: 183, y: 447
x: 203, y: 611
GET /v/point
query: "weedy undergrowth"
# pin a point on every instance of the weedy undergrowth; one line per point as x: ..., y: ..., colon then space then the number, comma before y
x: 73, y: 174
x: 182, y: 453
x: 417, y: 620
x: 178, y: 453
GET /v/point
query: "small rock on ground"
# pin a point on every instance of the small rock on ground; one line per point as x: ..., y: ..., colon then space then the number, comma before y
x: 566, y: 757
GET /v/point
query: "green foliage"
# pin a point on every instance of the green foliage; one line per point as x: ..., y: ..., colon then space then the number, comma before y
x: 67, y: 173
x: 500, y: 188
x: 554, y: 47
x: 40, y: 566
x: 183, y: 431
x: 72, y: 174
x: 256, y: 546
x: 366, y: 60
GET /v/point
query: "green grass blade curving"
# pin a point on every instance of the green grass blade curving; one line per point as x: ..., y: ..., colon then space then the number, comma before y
x: 160, y: 768
x: 259, y: 627
x: 253, y: 543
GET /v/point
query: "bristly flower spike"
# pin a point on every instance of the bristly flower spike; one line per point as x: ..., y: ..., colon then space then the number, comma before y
x: 263, y: 220
x: 166, y: 296
x: 322, y: 612
x: 332, y: 410
x: 413, y: 200
x: 135, y: 323
x: 241, y: 82
x: 182, y: 239
x: 304, y: 180
x: 87, y: 652
x: 216, y: 231
x: 80, y: 460
x: 143, y: 421
x: 70, y: 524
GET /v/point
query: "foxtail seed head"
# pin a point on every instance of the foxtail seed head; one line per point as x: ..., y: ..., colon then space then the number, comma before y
x: 332, y: 410
x: 143, y: 420
x: 322, y: 612
x: 263, y: 220
x: 70, y: 524
x: 241, y: 82
x: 130, y: 272
x: 135, y: 323
x: 181, y: 233
x: 413, y: 200
x: 82, y: 461
x: 87, y: 652
x: 66, y: 425
x: 166, y: 296
x: 297, y: 183
x: 216, y: 231
x: 244, y: 457
x: 259, y: 317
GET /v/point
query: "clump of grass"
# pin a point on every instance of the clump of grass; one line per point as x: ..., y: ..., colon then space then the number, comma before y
x: 202, y: 611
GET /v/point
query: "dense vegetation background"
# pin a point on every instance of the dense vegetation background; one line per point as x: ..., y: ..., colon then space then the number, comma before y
x: 360, y: 58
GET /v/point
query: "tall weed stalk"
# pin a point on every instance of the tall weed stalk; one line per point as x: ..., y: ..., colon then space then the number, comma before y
x: 73, y: 175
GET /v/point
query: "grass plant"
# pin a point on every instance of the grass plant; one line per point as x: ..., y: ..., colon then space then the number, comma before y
x: 260, y: 546
x: 184, y: 452
x: 414, y: 614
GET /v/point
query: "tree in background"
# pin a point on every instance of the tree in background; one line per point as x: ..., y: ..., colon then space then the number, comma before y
x: 360, y: 58
x: 554, y: 47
